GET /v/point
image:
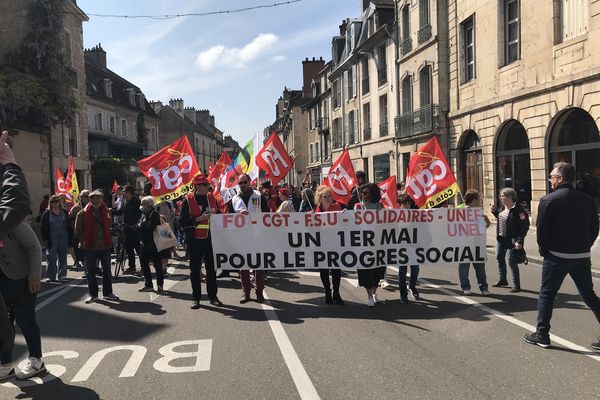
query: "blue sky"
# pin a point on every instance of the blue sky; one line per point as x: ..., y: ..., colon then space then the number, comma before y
x: 234, y: 65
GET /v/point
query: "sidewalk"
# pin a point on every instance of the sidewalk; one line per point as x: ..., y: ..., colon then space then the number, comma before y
x: 531, y: 248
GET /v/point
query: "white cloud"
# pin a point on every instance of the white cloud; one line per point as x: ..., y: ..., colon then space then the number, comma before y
x: 235, y: 57
x: 278, y: 58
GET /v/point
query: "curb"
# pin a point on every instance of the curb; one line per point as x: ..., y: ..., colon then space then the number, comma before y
x: 538, y: 261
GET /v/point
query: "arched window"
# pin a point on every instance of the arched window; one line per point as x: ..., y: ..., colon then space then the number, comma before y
x: 513, y: 167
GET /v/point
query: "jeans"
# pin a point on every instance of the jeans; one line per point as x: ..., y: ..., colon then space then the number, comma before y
x: 503, y: 246
x: 336, y: 277
x: 554, y: 270
x: 90, y: 260
x: 463, y: 275
x: 414, y: 274
x: 24, y: 314
x: 145, y: 257
x: 202, y: 249
x: 57, y: 252
x: 7, y: 334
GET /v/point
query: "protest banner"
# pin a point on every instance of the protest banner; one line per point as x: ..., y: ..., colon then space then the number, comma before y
x: 274, y: 160
x: 430, y: 180
x: 171, y: 170
x: 348, y: 240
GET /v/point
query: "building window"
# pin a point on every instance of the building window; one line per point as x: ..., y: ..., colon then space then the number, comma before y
x: 317, y: 152
x: 367, y: 121
x: 423, y: 13
x: 383, y: 116
x: 467, y: 30
x: 336, y: 94
x: 108, y: 88
x: 381, y: 65
x: 353, y: 81
x: 406, y: 41
x: 513, y: 162
x: 98, y: 122
x: 574, y: 18
x: 381, y: 167
x: 351, y: 126
x: 365, y: 76
x: 337, y: 133
x: 407, y: 103
x: 112, y: 124
x: 511, y: 31
x: 67, y: 46
x: 123, y: 127
x: 325, y: 147
x: 141, y: 101
x: 131, y: 93
x: 310, y: 153
x: 425, y: 86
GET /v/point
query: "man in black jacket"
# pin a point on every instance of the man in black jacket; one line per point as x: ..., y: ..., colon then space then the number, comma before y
x: 131, y: 215
x: 361, y: 178
x: 567, y: 226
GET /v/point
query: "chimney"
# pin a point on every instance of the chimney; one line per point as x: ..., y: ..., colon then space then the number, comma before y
x: 203, y: 117
x: 177, y: 106
x: 190, y: 112
x: 212, y: 120
x: 156, y: 106
x: 96, y: 55
x: 310, y: 72
x: 365, y: 4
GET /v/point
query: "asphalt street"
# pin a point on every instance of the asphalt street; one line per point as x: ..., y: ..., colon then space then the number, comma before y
x: 445, y: 346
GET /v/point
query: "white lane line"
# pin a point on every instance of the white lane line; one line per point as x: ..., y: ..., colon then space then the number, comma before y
x: 55, y: 296
x: 557, y: 339
x: 169, y: 283
x: 304, y: 385
x: 352, y: 281
x: 74, y: 282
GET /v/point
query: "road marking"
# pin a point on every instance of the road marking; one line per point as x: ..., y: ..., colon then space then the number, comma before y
x: 169, y: 283
x: 304, y: 385
x: 352, y: 281
x: 74, y: 282
x: 56, y: 296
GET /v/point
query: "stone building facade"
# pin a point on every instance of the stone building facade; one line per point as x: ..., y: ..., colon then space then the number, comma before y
x: 522, y: 97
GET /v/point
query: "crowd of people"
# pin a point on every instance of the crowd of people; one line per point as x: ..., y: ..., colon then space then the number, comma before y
x: 567, y: 226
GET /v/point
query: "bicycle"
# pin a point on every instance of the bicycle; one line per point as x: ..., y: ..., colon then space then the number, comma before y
x: 121, y: 255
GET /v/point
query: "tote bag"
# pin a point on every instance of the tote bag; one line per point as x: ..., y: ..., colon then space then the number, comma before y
x: 164, y: 238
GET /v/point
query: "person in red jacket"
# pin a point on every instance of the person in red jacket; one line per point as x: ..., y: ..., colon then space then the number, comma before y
x: 325, y: 203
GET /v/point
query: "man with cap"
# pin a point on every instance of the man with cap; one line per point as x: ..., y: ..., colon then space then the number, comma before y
x: 196, y: 209
x: 92, y: 226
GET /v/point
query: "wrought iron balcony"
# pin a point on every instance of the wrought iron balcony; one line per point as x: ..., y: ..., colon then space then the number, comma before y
x: 383, y: 129
x: 367, y: 134
x: 365, y: 86
x: 418, y: 121
x: 424, y: 34
x: 323, y: 125
x: 406, y: 46
x: 382, y: 75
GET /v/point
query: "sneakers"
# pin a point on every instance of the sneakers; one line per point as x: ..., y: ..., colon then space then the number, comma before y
x: 467, y: 292
x: 338, y: 299
x: 6, y: 372
x: 216, y: 302
x: 371, y: 301
x: 515, y: 289
x: 414, y: 292
x: 245, y: 298
x: 500, y: 283
x: 146, y: 289
x: 260, y: 298
x: 33, y: 366
x: 91, y: 299
x: 539, y: 339
x: 385, y: 285
x: 195, y: 305
x: 485, y: 292
x: 596, y: 345
x: 111, y: 296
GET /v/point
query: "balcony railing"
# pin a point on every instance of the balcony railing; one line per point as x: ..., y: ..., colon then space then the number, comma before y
x: 367, y: 134
x: 382, y: 75
x: 323, y: 124
x: 383, y: 129
x: 365, y: 86
x: 424, y: 34
x: 406, y: 46
x: 418, y: 121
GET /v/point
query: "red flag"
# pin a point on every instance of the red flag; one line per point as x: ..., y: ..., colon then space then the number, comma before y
x: 389, y: 194
x: 115, y: 186
x: 71, y: 184
x: 341, y: 178
x: 430, y: 180
x: 219, y: 168
x: 60, y: 183
x: 274, y: 160
x: 171, y: 170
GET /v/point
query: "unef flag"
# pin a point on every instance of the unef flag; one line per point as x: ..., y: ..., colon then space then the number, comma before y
x: 430, y: 180
x: 171, y: 170
x: 274, y: 160
x: 341, y: 178
x: 389, y: 194
x: 71, y: 183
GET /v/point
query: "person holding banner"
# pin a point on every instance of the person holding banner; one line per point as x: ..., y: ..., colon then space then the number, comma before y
x: 196, y: 210
x: 405, y: 202
x: 248, y: 201
x: 370, y: 195
x: 325, y: 203
x: 511, y: 229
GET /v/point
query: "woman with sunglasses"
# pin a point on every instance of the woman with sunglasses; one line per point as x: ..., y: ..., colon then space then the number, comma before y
x: 325, y: 203
x: 57, y: 233
x: 370, y: 195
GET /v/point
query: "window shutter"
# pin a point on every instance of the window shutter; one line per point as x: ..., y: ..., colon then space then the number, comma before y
x: 355, y: 127
x: 346, y: 131
x: 346, y: 97
x: 354, y: 81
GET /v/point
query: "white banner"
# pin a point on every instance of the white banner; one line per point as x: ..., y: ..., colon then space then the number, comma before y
x: 349, y: 239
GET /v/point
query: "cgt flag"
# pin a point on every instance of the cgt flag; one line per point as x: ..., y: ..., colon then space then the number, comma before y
x: 430, y: 180
x: 171, y: 170
x: 389, y: 193
x: 60, y: 186
x: 217, y: 170
x: 341, y: 178
x: 274, y: 160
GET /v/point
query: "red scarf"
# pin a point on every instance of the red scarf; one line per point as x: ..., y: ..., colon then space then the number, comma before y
x: 335, y: 206
x: 90, y: 223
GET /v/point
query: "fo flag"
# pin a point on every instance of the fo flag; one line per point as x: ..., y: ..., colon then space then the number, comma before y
x: 389, y: 194
x: 341, y: 178
x: 274, y: 160
x: 430, y: 180
x: 171, y: 170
